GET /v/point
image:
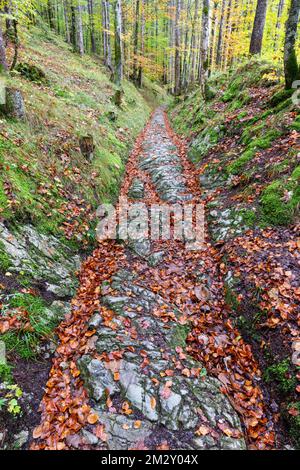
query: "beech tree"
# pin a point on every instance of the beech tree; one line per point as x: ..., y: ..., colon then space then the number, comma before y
x: 203, y: 74
x: 258, y: 27
x: 118, y: 43
x: 3, y: 62
x: 291, y: 68
x: 173, y: 41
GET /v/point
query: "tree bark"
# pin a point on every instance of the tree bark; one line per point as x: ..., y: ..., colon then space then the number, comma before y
x: 193, y: 43
x: 80, y: 45
x: 3, y: 62
x: 66, y: 17
x: 204, y: 45
x: 90, y: 5
x: 177, y: 88
x: 278, y: 23
x: 106, y: 35
x: 291, y: 68
x: 73, y: 26
x: 118, y: 43
x: 221, y: 32
x: 258, y: 27
x: 136, y: 41
x: 143, y: 25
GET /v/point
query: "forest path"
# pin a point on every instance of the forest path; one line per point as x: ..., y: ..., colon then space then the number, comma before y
x: 127, y: 371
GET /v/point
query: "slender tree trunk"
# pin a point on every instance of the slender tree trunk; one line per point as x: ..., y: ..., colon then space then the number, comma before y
x: 291, y: 68
x: 90, y: 5
x: 80, y: 45
x: 136, y: 41
x: 73, y: 26
x: 278, y: 23
x: 16, y: 43
x: 118, y: 43
x: 177, y: 49
x: 193, y: 43
x: 184, y: 79
x: 66, y: 17
x: 172, y: 44
x: 213, y: 35
x: 227, y: 38
x: 143, y: 25
x: 3, y: 62
x: 258, y: 27
x: 204, y: 46
x: 221, y: 32
x: 106, y: 35
x: 50, y: 14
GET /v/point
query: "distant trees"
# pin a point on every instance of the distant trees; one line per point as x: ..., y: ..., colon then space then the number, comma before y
x: 291, y: 67
x: 176, y: 41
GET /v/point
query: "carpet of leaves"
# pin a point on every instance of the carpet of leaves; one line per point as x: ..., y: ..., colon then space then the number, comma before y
x: 213, y: 339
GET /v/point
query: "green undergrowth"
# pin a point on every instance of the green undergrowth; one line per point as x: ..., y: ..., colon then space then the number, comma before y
x: 42, y: 168
x: 252, y: 116
x: 37, y: 327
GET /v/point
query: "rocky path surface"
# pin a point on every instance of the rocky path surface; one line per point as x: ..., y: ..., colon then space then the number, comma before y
x: 148, y: 358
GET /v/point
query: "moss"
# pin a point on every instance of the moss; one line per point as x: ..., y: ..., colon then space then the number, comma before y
x: 280, y: 97
x: 179, y: 336
x: 265, y: 140
x: 281, y: 374
x: 5, y: 262
x: 296, y: 124
x: 293, y: 420
x: 233, y: 89
x: 6, y: 373
x: 280, y: 200
x: 249, y: 217
x: 231, y: 298
x: 32, y: 72
x: 237, y: 166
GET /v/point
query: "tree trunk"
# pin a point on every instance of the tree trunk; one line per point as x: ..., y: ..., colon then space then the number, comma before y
x: 90, y: 5
x: 66, y: 17
x: 3, y: 62
x: 50, y: 14
x: 177, y: 89
x: 73, y: 26
x: 221, y: 32
x: 291, y: 68
x: 193, y: 43
x: 143, y: 25
x: 136, y: 41
x: 16, y: 44
x: 106, y: 35
x: 278, y: 23
x: 204, y: 45
x: 213, y: 35
x: 258, y: 27
x: 80, y: 45
x: 118, y: 43
x: 184, y: 78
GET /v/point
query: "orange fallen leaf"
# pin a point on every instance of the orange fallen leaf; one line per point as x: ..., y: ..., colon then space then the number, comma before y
x: 92, y: 418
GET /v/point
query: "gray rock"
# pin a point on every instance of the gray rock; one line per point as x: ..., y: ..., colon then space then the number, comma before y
x: 42, y: 257
x: 89, y: 438
x: 21, y: 438
x: 97, y: 378
x: 122, y: 434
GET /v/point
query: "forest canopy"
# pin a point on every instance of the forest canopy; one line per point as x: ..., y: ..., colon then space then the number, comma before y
x: 178, y: 42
